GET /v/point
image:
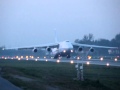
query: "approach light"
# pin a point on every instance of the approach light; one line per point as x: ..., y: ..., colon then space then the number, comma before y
x: 71, y: 62
x: 107, y: 64
x: 88, y: 63
x: 115, y: 59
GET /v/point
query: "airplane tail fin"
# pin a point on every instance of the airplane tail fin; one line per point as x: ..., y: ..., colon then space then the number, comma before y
x: 56, y: 40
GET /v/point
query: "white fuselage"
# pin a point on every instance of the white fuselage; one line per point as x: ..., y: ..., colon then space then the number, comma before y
x: 64, y: 50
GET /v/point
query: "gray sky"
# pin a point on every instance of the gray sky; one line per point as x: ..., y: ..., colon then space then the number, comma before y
x: 32, y: 22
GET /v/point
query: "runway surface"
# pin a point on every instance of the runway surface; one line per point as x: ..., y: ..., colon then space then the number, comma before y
x: 107, y: 62
x: 6, y: 85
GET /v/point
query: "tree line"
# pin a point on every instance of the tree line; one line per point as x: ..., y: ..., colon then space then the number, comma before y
x: 89, y: 39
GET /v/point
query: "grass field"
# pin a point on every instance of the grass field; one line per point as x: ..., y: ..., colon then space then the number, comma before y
x: 38, y: 75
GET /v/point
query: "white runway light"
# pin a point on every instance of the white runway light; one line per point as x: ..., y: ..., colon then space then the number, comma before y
x: 101, y: 58
x: 78, y: 57
x: 108, y: 64
x: 64, y: 51
x: 115, y: 59
x: 58, y: 61
x: 71, y: 62
x: 88, y: 63
x: 46, y: 60
x: 35, y: 59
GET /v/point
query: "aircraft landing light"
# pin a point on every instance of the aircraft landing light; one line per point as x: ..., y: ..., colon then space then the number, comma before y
x: 107, y: 64
x: 71, y: 61
x: 58, y: 61
x: 89, y: 57
x: 64, y: 51
x: 71, y: 50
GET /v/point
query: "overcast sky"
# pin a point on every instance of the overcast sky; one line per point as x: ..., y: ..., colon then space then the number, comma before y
x: 32, y: 22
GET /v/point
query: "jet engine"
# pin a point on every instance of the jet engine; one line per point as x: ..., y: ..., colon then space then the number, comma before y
x: 91, y: 50
x: 80, y: 49
x: 35, y: 50
x: 48, y: 49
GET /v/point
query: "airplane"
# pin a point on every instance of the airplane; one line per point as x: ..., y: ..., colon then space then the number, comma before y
x: 64, y: 48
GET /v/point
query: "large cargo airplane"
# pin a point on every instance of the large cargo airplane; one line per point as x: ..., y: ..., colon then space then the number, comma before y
x: 64, y: 48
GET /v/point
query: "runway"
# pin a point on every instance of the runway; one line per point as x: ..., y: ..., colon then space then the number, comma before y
x: 107, y: 62
x: 88, y: 62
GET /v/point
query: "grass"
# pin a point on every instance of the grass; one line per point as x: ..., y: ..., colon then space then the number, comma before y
x: 59, y: 76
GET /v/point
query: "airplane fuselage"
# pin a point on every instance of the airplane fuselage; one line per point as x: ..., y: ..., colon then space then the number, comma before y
x: 64, y: 50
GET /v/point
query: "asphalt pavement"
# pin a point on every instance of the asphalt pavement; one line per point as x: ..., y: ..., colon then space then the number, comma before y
x: 6, y: 85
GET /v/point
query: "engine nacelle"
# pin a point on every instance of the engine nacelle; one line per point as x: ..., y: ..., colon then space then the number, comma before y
x: 80, y: 49
x: 91, y: 50
x: 48, y: 49
x: 35, y: 50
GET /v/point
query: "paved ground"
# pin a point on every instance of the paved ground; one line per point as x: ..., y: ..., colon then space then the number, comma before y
x: 91, y: 61
x: 6, y: 85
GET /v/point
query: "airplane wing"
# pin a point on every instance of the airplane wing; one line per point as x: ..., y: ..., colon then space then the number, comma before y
x: 51, y: 45
x: 95, y: 46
